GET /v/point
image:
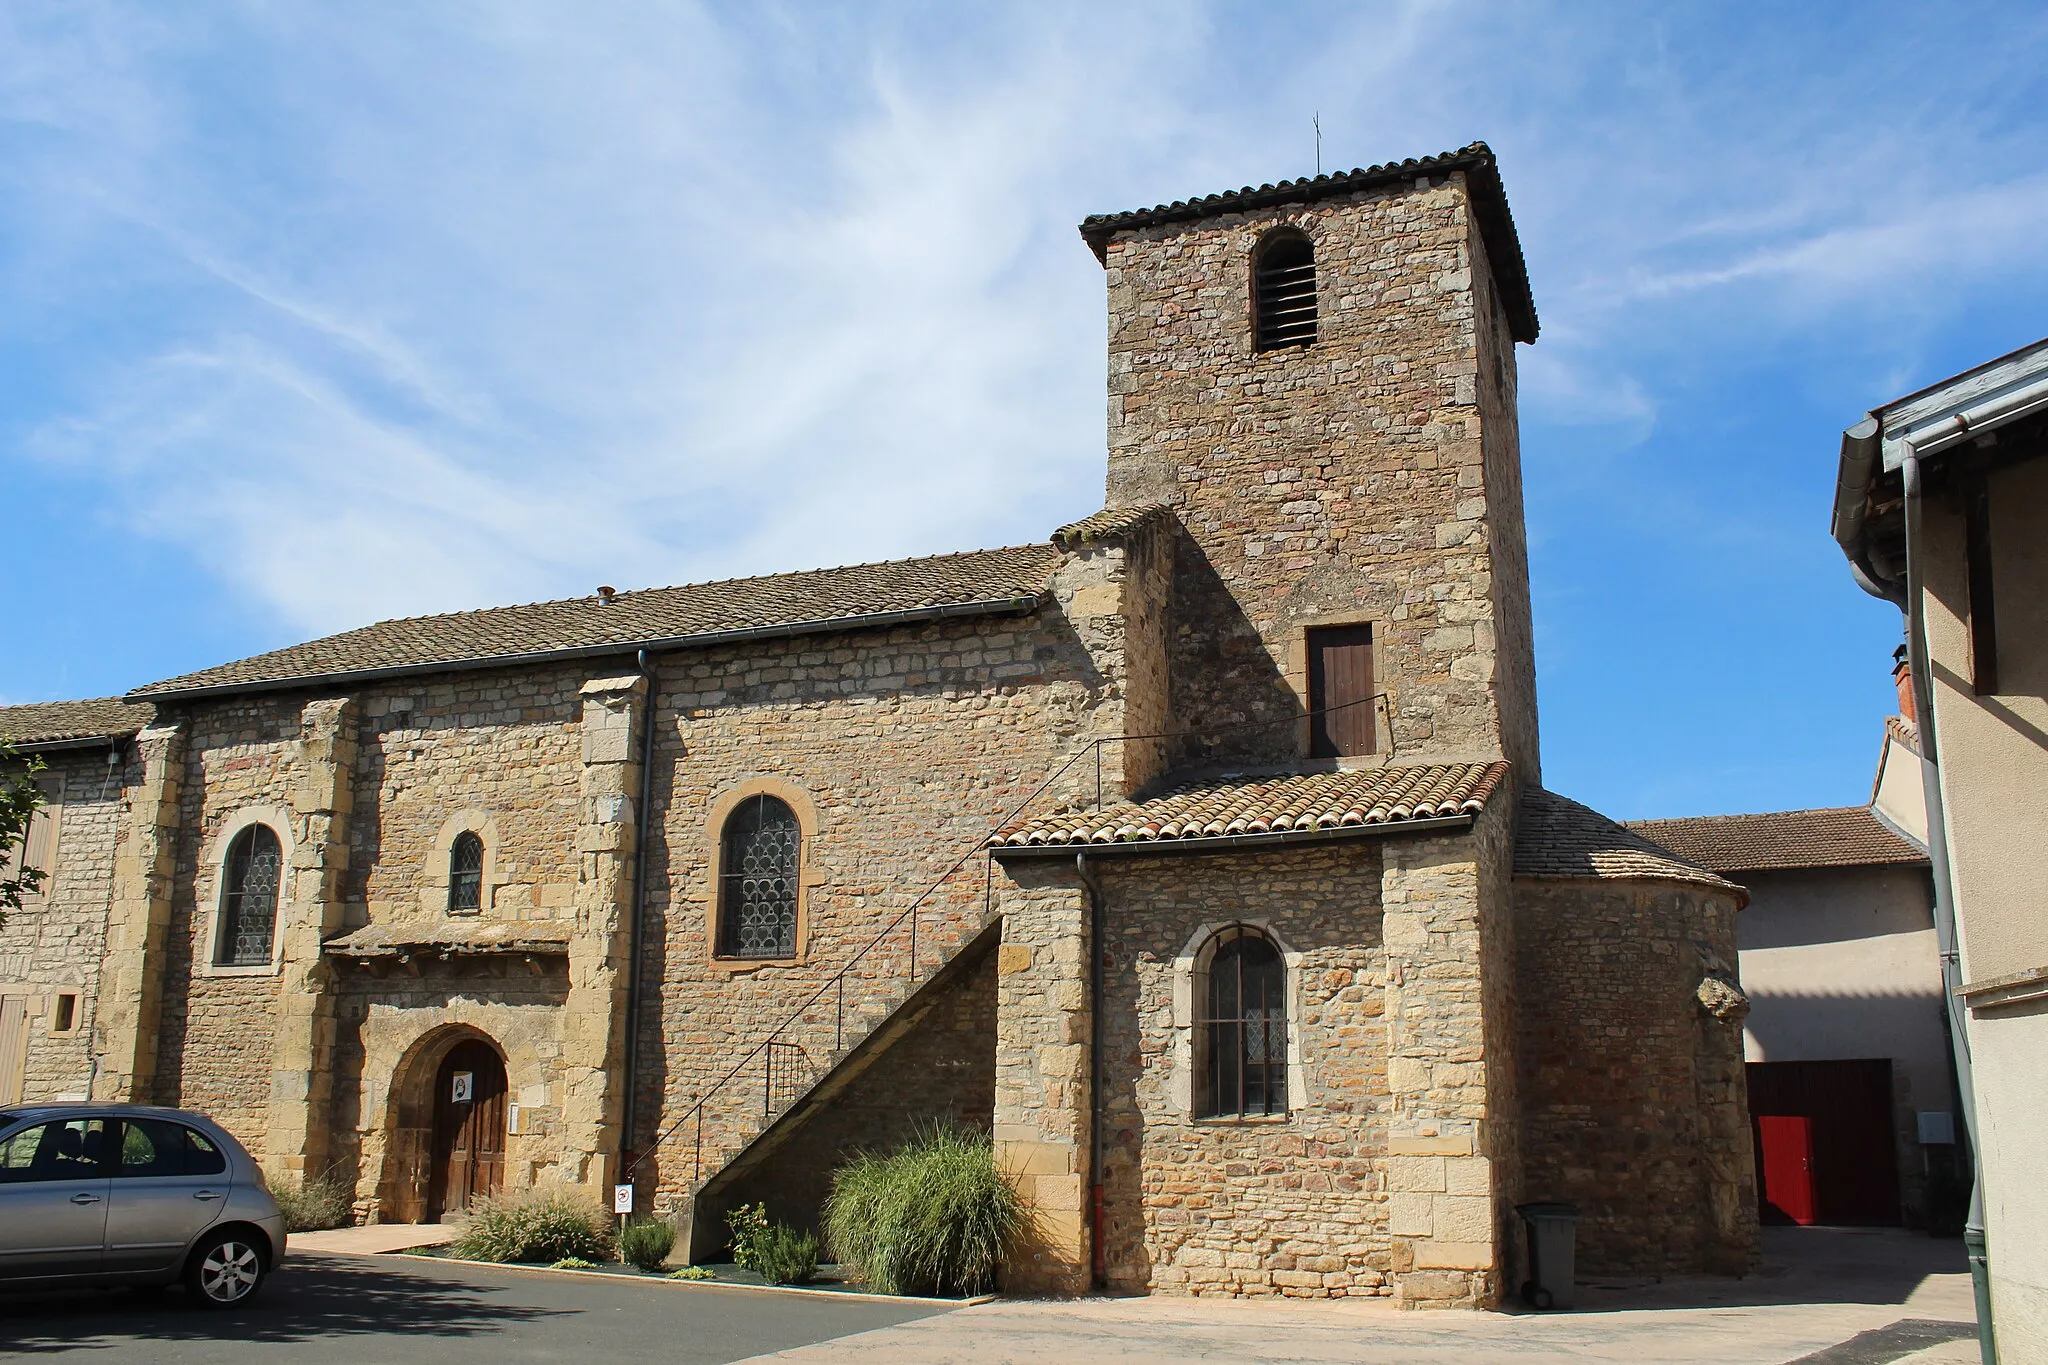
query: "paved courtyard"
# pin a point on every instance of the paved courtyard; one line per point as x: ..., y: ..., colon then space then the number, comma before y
x: 1826, y: 1296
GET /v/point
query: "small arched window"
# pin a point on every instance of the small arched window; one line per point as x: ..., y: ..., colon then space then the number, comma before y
x: 1242, y: 1035
x: 248, y: 918
x: 758, y: 880
x: 466, y: 874
x: 1284, y: 292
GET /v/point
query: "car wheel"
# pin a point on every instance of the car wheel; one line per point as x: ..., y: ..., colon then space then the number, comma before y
x: 226, y: 1269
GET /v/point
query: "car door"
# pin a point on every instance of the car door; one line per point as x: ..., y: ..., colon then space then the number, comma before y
x: 168, y: 1184
x: 53, y: 1199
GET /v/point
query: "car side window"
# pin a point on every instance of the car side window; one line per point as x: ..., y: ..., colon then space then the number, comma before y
x: 70, y: 1149
x: 151, y: 1147
x: 203, y: 1157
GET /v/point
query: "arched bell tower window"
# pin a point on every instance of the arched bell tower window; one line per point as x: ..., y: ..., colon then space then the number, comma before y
x: 248, y: 921
x: 466, y: 874
x: 1241, y: 1034
x: 1284, y: 291
x: 758, y: 878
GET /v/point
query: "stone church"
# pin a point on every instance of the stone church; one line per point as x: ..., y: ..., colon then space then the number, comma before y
x: 1199, y: 854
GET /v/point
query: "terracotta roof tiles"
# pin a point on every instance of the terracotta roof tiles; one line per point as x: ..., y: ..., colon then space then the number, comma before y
x: 54, y: 722
x: 1108, y: 524
x: 1841, y: 836
x: 796, y: 603
x: 1557, y: 837
x: 1233, y: 804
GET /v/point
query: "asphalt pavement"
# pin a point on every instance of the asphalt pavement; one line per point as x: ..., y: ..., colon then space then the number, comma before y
x: 403, y: 1309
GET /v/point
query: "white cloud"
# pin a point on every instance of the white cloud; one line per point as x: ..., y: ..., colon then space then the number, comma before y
x: 450, y: 307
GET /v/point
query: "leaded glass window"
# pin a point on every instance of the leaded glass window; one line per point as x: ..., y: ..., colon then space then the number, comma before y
x: 758, y: 881
x: 249, y: 903
x: 466, y: 874
x: 1244, y: 1028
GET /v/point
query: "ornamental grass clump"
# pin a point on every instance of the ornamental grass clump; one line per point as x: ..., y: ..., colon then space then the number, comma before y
x: 542, y: 1226
x: 647, y: 1244
x: 311, y: 1205
x: 935, y: 1216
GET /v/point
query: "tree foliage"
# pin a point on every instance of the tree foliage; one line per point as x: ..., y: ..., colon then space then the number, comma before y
x: 20, y: 799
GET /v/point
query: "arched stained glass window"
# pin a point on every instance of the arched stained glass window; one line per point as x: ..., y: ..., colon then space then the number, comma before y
x: 1284, y: 292
x: 466, y: 874
x: 758, y: 880
x: 1243, y: 1033
x: 248, y: 917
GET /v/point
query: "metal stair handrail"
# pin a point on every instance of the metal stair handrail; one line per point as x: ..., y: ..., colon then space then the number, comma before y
x: 838, y: 979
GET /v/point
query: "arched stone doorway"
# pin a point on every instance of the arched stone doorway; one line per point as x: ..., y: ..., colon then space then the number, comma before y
x: 445, y: 1143
x: 466, y: 1159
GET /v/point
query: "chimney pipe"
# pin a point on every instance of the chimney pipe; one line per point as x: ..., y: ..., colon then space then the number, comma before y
x: 1902, y: 678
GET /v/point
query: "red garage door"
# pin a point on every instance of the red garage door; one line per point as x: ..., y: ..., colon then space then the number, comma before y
x: 1825, y: 1148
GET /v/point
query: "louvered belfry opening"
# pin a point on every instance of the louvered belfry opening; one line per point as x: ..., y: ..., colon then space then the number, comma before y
x: 1284, y: 292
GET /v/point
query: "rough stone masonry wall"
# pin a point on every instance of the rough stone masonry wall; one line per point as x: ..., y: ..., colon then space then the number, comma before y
x: 503, y: 745
x: 942, y: 1070
x: 52, y: 945
x: 905, y: 748
x: 393, y: 1030
x: 217, y: 1034
x: 1344, y: 479
x: 1632, y: 1098
x: 1513, y: 643
x: 1295, y: 1206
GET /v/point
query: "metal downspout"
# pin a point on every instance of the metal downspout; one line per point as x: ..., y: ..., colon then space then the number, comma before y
x: 1098, y: 1266
x: 1944, y: 901
x: 627, y: 1158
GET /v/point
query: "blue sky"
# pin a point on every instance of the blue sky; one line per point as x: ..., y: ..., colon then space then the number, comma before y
x: 320, y: 314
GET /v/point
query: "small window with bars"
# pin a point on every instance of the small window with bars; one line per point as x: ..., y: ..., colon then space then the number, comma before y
x: 1241, y: 1037
x: 758, y: 876
x: 248, y: 919
x: 466, y: 874
x: 1284, y: 292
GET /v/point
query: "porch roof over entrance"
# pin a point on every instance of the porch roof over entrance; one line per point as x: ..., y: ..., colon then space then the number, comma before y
x: 406, y: 938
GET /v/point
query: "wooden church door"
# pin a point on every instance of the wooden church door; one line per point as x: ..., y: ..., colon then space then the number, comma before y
x: 469, y: 1129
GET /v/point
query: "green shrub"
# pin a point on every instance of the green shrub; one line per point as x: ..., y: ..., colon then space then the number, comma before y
x: 747, y: 1226
x: 544, y: 1226
x: 785, y: 1256
x: 934, y: 1217
x: 647, y: 1244
x: 310, y: 1205
x: 573, y: 1263
x: 690, y: 1272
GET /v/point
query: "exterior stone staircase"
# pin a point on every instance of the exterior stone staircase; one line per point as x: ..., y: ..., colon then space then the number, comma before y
x: 784, y: 1090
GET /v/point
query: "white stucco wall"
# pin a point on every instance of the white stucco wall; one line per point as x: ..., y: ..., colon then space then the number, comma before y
x: 1840, y: 964
x: 1994, y: 789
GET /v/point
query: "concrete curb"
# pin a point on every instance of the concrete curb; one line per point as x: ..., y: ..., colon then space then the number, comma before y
x: 680, y: 1284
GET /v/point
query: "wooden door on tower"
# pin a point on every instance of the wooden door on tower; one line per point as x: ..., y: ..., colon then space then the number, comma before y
x: 469, y: 1129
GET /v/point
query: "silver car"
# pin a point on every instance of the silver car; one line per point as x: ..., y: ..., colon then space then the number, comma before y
x: 129, y: 1194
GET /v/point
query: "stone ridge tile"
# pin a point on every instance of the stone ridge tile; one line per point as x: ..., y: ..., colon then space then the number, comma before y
x: 1557, y: 837
x: 1837, y: 836
x: 648, y: 614
x: 1108, y: 524
x: 1270, y: 804
x: 1476, y: 159
x: 42, y: 722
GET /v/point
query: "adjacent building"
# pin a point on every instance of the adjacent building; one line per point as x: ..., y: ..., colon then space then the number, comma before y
x: 1851, y: 1090
x: 1941, y: 507
x: 1199, y: 854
